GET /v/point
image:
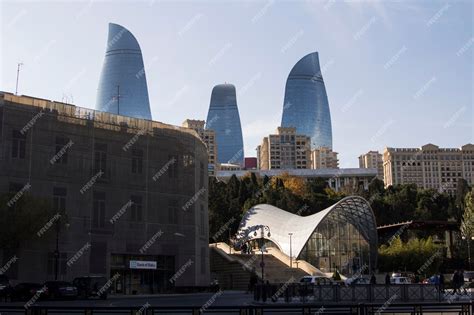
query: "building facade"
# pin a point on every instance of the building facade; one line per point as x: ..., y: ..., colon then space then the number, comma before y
x: 348, y: 179
x: 122, y: 85
x: 208, y: 136
x: 306, y: 104
x: 223, y: 117
x: 372, y: 159
x: 250, y: 163
x: 132, y: 193
x: 284, y: 150
x: 324, y: 158
x: 429, y: 167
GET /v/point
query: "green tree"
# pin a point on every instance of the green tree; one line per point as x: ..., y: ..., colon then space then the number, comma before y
x: 467, y: 224
x: 23, y: 219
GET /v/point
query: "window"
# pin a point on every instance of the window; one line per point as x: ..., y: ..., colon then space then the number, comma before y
x: 59, y: 200
x: 61, y: 150
x: 18, y: 145
x: 100, y: 158
x: 98, y: 219
x: 137, y: 161
x: 173, y: 166
x: 173, y: 211
x: 62, y: 263
x: 136, y: 209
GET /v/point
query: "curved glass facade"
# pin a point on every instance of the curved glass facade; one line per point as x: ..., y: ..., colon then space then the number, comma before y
x: 223, y: 117
x: 122, y: 85
x: 306, y: 104
x: 337, y: 244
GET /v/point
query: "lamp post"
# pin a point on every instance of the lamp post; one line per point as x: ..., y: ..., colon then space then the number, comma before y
x: 468, y: 239
x: 262, y: 228
x: 291, y: 254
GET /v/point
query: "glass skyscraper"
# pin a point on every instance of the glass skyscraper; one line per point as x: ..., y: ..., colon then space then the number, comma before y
x: 223, y: 117
x: 122, y: 85
x: 306, y: 103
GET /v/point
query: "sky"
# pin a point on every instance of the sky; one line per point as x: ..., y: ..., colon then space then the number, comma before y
x: 397, y: 73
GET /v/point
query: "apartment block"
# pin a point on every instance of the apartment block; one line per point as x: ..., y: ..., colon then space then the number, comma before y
x: 429, y: 166
x: 285, y: 150
x: 324, y: 158
x: 372, y: 159
x: 208, y: 136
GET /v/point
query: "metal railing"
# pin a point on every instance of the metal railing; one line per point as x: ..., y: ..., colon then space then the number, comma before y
x: 461, y: 308
x: 304, y: 293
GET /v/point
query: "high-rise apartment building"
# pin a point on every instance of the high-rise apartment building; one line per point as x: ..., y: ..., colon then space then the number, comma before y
x: 306, y: 104
x: 223, y: 117
x: 429, y: 166
x: 372, y: 159
x: 284, y: 150
x: 208, y: 136
x: 122, y: 86
x: 324, y: 158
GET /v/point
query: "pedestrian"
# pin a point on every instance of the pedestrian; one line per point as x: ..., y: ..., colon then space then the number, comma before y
x: 373, y: 280
x: 387, y: 279
x: 462, y: 282
x: 252, y: 281
x: 455, y: 281
x: 441, y: 282
x: 417, y: 278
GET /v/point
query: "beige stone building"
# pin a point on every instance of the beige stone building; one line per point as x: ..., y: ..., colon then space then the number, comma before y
x: 284, y: 150
x: 372, y: 159
x: 429, y: 166
x: 209, y: 139
x: 324, y: 158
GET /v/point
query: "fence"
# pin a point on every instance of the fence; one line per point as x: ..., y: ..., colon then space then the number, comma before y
x: 465, y: 308
x: 290, y: 292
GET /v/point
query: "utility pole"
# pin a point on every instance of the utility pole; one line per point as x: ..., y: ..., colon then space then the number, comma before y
x: 18, y: 76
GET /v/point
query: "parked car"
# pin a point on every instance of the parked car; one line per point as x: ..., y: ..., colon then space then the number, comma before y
x: 5, y: 287
x: 26, y: 290
x: 60, y: 289
x: 90, y: 286
x: 316, y: 280
x: 469, y: 278
x: 357, y: 281
x: 400, y: 280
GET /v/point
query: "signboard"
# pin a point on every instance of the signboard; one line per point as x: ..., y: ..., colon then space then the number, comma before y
x: 141, y: 264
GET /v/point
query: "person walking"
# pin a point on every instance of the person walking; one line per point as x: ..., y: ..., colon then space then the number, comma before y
x: 461, y: 283
x: 387, y: 279
x: 441, y: 282
x: 252, y: 281
x: 455, y: 281
x: 373, y: 280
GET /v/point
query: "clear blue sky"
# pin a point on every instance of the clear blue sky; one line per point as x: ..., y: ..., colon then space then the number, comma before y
x: 397, y: 73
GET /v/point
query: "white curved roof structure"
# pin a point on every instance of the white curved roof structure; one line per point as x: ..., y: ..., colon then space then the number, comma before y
x: 354, y: 209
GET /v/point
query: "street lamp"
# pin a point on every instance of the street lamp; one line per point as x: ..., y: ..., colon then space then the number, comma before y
x: 262, y: 228
x: 291, y: 254
x: 468, y: 249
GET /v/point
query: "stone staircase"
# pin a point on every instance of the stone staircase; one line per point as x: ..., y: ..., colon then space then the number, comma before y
x: 275, y: 271
x: 233, y: 269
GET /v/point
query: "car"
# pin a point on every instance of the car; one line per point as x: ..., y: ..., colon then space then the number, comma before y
x: 316, y: 280
x: 468, y: 276
x: 60, y: 289
x: 5, y: 286
x: 26, y: 290
x: 357, y: 281
x: 400, y: 280
x: 90, y: 286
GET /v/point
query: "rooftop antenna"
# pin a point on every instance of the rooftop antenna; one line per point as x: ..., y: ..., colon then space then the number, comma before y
x: 18, y: 76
